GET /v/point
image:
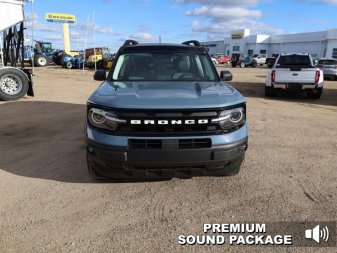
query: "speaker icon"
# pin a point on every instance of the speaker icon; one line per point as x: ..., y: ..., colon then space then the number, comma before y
x: 317, y: 234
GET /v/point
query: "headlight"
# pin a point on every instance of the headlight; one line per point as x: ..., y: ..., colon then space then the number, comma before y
x: 231, y: 119
x: 103, y: 119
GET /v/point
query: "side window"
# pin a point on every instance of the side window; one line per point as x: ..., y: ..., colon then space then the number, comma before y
x: 207, y: 72
x: 200, y: 70
x: 119, y: 70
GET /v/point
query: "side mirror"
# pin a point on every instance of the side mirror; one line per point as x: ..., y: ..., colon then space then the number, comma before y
x: 100, y: 75
x: 226, y: 76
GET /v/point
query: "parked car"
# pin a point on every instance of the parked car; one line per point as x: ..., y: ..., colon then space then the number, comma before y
x: 247, y: 62
x: 215, y: 62
x: 163, y: 111
x: 260, y: 58
x: 224, y: 59
x: 329, y: 68
x: 297, y: 73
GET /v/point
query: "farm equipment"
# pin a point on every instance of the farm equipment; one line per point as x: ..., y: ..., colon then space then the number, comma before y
x: 44, y: 54
x: 99, y: 56
x: 15, y: 82
x: 73, y: 62
x: 41, y: 54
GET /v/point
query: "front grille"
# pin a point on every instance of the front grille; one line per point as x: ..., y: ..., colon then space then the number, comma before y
x: 170, y: 144
x: 182, y: 128
x: 173, y: 129
x: 166, y: 130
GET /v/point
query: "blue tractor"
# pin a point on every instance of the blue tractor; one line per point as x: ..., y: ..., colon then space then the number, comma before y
x: 42, y: 54
x: 75, y: 62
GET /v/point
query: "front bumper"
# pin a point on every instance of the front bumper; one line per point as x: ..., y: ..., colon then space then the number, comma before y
x: 125, y: 162
x: 296, y: 86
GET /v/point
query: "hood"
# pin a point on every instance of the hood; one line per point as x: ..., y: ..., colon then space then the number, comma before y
x: 165, y: 95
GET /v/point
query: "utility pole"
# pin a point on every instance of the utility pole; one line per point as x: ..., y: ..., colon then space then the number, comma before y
x: 93, y: 21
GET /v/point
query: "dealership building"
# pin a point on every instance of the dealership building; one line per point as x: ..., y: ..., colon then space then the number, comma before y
x: 318, y: 44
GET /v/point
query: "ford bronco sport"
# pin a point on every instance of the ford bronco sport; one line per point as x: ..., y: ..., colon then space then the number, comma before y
x: 163, y: 111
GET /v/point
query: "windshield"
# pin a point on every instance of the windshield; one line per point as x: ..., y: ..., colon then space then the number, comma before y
x: 288, y: 61
x: 327, y: 62
x: 164, y: 66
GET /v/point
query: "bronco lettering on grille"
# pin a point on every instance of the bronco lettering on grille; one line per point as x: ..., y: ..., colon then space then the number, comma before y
x: 170, y: 122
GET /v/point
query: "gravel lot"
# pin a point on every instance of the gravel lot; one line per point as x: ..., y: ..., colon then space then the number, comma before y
x: 48, y: 203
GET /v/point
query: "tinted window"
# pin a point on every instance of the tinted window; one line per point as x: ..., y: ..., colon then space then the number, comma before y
x: 287, y: 61
x: 164, y: 66
x: 327, y: 62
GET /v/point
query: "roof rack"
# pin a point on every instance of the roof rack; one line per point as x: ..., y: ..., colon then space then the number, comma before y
x: 130, y: 43
x: 192, y: 43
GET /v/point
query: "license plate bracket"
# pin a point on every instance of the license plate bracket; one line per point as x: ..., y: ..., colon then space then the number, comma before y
x: 294, y: 86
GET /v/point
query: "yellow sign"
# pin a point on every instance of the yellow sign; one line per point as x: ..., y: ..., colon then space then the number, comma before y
x: 237, y: 35
x: 60, y: 18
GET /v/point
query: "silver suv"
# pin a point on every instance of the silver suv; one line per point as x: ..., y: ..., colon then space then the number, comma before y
x: 329, y: 68
x: 163, y: 111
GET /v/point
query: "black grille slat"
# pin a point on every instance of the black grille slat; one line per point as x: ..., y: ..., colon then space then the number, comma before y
x: 182, y: 144
x: 204, y: 114
x: 168, y: 129
x: 194, y: 143
x: 174, y: 168
x: 145, y: 144
x: 151, y: 114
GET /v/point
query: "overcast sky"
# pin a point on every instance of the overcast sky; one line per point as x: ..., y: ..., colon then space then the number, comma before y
x: 176, y: 20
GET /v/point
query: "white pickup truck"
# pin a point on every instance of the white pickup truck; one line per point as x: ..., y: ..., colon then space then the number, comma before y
x: 260, y: 58
x: 295, y: 72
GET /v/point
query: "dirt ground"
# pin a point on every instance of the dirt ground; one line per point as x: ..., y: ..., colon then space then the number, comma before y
x: 48, y: 203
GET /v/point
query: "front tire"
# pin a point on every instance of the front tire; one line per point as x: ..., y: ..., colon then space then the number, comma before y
x: 242, y: 65
x: 318, y: 94
x: 69, y: 65
x: 13, y: 84
x: 40, y: 60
